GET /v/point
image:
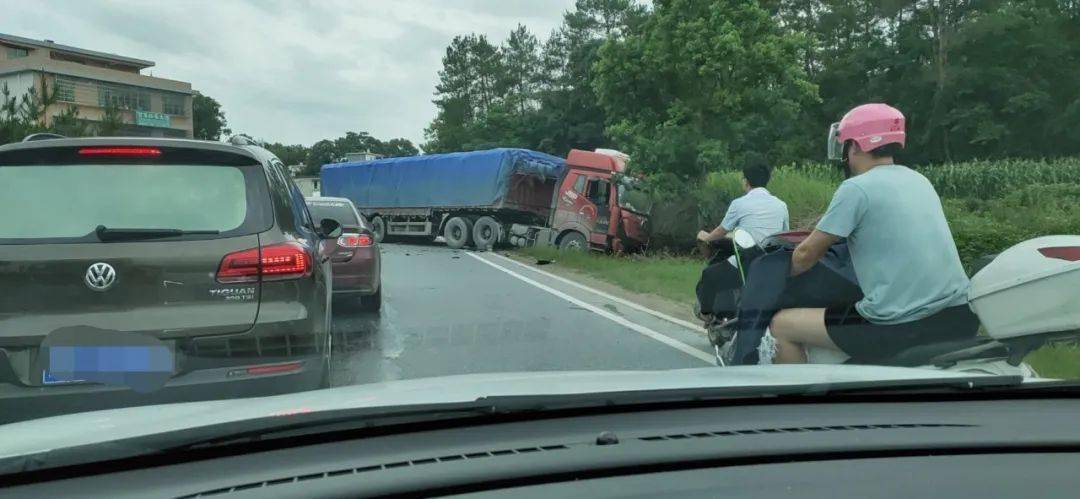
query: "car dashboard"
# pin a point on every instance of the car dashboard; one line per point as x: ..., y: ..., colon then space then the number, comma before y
x: 969, y: 448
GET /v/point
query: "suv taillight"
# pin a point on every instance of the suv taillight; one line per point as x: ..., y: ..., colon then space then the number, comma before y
x: 277, y: 262
x: 355, y: 240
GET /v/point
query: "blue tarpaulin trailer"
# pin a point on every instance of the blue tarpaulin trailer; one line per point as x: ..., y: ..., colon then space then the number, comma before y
x: 421, y: 195
x: 455, y: 180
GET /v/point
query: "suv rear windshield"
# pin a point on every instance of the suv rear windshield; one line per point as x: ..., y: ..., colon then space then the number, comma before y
x: 68, y: 202
x: 336, y: 210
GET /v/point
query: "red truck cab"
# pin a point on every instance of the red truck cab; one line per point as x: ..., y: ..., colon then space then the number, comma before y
x: 588, y: 211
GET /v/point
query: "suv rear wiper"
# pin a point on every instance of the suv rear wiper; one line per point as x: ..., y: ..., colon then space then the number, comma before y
x: 106, y: 234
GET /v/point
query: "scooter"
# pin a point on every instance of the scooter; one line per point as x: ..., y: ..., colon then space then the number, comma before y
x: 1025, y: 297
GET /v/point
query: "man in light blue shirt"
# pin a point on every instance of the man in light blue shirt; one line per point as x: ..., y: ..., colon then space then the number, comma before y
x: 884, y: 229
x: 913, y: 284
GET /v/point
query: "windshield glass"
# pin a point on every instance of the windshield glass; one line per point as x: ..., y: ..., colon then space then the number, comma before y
x: 632, y: 197
x: 71, y: 201
x: 342, y: 212
x: 548, y: 196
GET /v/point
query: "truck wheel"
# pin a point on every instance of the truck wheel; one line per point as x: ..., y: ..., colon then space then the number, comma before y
x: 486, y: 232
x: 378, y: 228
x: 457, y: 232
x: 573, y: 241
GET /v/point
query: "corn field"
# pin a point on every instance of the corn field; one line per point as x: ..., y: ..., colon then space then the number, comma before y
x: 992, y: 179
x: 976, y: 179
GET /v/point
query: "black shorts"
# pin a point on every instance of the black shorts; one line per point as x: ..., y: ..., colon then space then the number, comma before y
x: 865, y: 341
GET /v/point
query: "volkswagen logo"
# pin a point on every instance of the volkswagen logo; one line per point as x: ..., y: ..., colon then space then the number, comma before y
x: 100, y: 276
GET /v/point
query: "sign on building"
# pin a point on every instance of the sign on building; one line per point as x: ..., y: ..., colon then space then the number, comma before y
x: 145, y: 118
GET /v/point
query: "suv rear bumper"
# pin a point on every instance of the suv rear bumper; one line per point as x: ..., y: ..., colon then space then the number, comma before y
x: 354, y: 287
x: 18, y: 403
x: 355, y: 279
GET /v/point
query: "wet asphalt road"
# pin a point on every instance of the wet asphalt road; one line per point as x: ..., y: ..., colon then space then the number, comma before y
x: 447, y: 312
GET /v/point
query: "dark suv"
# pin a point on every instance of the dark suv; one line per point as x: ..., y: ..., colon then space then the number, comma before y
x: 137, y: 271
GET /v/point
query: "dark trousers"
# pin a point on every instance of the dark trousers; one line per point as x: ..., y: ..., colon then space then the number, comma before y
x: 771, y: 290
x: 719, y: 285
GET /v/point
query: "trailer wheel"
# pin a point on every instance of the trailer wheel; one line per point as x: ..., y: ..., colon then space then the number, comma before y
x: 457, y: 232
x: 573, y: 241
x: 486, y: 232
x: 378, y: 228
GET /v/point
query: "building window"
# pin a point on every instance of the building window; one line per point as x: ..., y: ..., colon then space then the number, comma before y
x: 123, y: 97
x: 172, y: 104
x: 64, y: 90
x: 16, y: 52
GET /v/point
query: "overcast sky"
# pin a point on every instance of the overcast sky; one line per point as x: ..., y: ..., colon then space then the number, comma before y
x: 290, y: 71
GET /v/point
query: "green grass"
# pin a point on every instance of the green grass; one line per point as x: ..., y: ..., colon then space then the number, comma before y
x: 670, y: 277
x: 1056, y: 361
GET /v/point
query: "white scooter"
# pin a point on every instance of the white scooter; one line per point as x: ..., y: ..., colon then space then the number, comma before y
x: 1026, y: 297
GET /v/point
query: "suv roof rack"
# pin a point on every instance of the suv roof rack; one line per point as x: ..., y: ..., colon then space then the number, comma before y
x: 42, y: 136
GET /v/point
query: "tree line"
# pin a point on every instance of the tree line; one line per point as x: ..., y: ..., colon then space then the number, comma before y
x: 24, y: 115
x: 524, y: 93
x: 210, y: 124
x: 688, y: 87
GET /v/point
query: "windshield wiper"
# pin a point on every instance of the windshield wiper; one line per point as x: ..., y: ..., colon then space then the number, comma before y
x: 108, y: 234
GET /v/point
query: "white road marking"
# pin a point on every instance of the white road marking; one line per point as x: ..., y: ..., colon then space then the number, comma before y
x: 662, y: 338
x: 689, y: 325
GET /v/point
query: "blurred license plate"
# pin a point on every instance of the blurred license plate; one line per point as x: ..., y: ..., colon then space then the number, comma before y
x: 79, y: 364
x: 48, y: 379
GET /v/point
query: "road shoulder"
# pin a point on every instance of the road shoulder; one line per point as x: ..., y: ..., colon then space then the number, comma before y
x: 682, y: 311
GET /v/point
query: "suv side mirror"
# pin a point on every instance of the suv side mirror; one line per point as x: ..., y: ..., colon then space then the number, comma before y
x: 329, y: 228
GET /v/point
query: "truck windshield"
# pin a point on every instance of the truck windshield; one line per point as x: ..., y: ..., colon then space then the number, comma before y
x: 632, y: 198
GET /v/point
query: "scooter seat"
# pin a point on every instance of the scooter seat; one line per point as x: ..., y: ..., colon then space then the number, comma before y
x: 945, y: 352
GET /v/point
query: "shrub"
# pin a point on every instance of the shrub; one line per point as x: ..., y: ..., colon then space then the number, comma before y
x: 986, y: 226
x: 807, y: 192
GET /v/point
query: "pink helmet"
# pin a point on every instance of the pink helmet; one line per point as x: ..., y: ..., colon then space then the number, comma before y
x: 869, y: 125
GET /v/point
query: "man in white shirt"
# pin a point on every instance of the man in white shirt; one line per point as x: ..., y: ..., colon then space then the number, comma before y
x: 757, y: 212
